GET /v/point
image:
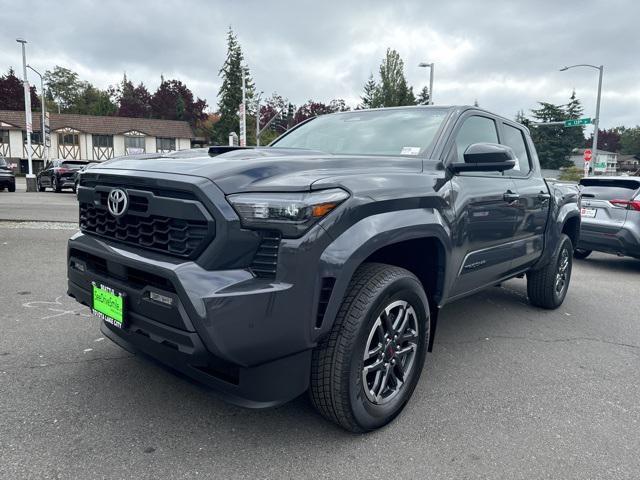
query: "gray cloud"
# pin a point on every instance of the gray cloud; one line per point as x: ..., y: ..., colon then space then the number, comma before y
x: 505, y: 54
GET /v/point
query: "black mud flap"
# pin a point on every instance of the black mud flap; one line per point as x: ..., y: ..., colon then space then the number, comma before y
x: 433, y: 323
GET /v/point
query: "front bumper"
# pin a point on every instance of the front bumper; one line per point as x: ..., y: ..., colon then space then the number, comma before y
x: 248, y: 338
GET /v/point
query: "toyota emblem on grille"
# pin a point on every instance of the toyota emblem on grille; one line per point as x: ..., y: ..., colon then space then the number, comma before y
x: 117, y: 202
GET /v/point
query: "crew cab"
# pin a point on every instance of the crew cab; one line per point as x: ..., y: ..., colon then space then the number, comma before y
x: 319, y: 263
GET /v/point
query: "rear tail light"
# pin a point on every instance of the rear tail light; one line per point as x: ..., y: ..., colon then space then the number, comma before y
x: 628, y: 204
x: 63, y: 170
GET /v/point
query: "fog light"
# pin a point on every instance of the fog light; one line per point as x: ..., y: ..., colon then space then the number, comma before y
x: 161, y: 298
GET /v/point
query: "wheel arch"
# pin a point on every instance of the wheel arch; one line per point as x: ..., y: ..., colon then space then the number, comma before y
x: 404, y: 242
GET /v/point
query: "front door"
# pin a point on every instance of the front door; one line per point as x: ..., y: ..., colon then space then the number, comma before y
x: 485, y: 211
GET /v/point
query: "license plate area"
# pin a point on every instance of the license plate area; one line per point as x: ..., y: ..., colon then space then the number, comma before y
x: 108, y: 304
x: 588, y: 212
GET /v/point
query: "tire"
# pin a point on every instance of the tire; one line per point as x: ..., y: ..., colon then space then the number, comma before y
x: 40, y: 187
x: 547, y: 287
x: 581, y: 254
x: 12, y: 188
x: 340, y: 390
x: 55, y: 184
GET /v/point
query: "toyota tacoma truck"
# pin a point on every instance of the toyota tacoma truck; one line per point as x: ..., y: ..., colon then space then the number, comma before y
x: 319, y: 263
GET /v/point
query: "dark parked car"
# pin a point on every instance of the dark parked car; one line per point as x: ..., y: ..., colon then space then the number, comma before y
x: 610, y: 209
x: 59, y: 174
x: 7, y: 178
x: 321, y: 262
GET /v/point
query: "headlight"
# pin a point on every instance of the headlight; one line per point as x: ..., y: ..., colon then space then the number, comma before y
x: 291, y: 213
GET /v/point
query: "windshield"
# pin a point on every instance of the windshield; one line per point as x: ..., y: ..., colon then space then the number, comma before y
x: 407, y: 131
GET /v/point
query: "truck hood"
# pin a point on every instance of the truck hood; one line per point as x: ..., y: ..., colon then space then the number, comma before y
x: 264, y: 169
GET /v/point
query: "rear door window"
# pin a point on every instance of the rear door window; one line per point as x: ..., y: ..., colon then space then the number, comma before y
x: 514, y: 138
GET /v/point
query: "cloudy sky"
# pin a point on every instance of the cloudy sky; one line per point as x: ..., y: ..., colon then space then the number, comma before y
x: 505, y: 54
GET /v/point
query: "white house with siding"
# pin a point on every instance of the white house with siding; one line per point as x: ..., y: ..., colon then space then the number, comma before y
x: 88, y: 137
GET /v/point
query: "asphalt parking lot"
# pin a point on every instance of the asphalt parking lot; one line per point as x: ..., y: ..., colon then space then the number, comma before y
x: 510, y: 391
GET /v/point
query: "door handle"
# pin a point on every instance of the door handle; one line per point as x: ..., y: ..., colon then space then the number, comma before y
x: 544, y: 197
x: 510, y: 197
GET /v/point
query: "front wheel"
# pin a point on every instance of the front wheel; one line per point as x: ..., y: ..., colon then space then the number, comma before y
x: 364, y: 372
x: 581, y: 254
x: 39, y: 185
x: 548, y: 286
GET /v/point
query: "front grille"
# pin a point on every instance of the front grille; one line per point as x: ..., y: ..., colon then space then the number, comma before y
x: 173, y: 236
x: 265, y: 261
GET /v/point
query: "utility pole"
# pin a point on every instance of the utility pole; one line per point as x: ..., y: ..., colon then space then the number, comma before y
x: 243, y: 112
x: 43, y: 131
x: 596, y: 121
x: 31, y: 178
x: 431, y: 67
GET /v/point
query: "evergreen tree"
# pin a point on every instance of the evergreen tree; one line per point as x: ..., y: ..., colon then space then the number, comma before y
x: 551, y: 140
x: 12, y: 93
x: 393, y: 88
x: 370, y: 97
x: 230, y: 93
x: 423, y: 97
x: 574, y: 136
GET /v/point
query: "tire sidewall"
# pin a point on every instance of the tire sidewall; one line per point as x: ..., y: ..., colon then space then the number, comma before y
x: 368, y: 415
x: 564, y: 244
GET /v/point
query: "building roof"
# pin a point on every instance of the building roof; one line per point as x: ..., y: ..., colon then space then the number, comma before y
x: 102, y: 125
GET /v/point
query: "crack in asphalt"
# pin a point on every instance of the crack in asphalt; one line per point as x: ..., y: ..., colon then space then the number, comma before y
x: 64, y: 362
x: 543, y: 340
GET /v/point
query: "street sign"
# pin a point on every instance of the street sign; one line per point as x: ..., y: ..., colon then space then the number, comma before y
x: 587, y: 155
x: 577, y: 122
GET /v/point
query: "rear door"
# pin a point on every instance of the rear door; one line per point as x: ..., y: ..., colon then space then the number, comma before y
x: 605, y: 203
x: 533, y: 204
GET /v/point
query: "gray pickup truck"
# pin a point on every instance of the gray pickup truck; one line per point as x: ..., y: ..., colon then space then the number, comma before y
x: 319, y: 263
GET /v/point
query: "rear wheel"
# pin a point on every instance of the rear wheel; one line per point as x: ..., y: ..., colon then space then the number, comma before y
x: 548, y: 286
x: 581, y: 254
x: 12, y: 188
x: 56, y: 184
x: 364, y: 372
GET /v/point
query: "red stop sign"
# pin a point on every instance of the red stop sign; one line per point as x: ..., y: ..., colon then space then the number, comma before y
x: 587, y: 155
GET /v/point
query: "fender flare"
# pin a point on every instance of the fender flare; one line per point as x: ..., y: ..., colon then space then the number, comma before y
x: 349, y: 250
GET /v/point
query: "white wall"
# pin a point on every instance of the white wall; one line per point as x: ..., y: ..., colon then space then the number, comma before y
x: 15, y: 143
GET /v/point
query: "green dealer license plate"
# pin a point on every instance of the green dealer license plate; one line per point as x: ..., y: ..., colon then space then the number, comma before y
x: 108, y: 305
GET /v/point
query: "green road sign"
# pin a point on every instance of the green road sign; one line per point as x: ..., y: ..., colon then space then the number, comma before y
x: 577, y: 122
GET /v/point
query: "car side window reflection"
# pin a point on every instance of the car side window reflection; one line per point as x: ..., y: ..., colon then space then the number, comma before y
x: 475, y: 129
x: 514, y: 138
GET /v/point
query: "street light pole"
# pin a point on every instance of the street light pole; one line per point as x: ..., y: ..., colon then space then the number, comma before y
x: 596, y: 122
x: 31, y: 184
x: 431, y: 68
x: 43, y: 134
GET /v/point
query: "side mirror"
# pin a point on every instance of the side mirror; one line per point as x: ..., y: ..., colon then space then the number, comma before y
x: 486, y: 157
